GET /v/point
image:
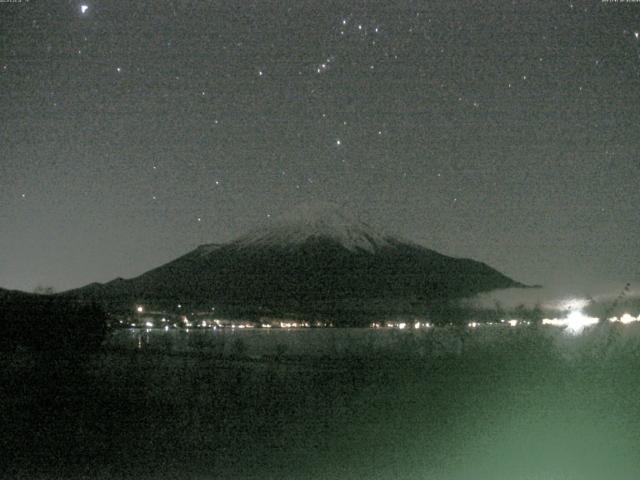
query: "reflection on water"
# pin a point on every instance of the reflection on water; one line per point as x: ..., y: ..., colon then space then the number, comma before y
x: 576, y: 333
x: 322, y: 342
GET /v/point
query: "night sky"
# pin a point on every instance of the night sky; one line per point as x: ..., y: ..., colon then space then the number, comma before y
x: 133, y: 131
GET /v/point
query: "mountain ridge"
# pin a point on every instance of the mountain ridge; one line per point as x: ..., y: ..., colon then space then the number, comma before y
x: 307, y: 263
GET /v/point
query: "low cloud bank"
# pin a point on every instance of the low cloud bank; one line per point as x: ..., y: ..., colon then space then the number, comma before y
x: 554, y: 301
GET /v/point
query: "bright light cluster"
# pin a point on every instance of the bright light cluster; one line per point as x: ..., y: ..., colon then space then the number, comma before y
x: 575, y: 322
x: 417, y: 325
x: 625, y: 319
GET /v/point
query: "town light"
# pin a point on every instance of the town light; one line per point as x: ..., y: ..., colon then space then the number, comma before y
x: 625, y: 319
x: 575, y: 322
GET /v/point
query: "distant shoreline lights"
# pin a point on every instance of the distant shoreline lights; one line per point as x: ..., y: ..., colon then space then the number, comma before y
x: 574, y: 323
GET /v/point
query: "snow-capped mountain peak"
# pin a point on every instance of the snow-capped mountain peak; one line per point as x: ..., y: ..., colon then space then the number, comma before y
x: 316, y: 220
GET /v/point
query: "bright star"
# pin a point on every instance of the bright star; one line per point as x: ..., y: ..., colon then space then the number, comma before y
x: 84, y: 8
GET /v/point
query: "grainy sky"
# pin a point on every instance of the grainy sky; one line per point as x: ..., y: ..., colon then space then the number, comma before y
x: 132, y: 131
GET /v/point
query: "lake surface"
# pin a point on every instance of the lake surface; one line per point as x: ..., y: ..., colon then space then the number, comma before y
x: 257, y: 343
x: 294, y: 342
x: 509, y: 404
x: 314, y: 342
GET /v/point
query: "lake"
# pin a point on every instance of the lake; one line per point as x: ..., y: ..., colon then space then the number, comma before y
x: 347, y: 404
x: 314, y: 342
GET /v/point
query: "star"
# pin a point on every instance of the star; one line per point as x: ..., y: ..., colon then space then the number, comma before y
x: 84, y: 8
x: 338, y: 142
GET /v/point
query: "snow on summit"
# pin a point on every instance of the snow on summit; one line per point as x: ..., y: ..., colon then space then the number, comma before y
x: 316, y: 220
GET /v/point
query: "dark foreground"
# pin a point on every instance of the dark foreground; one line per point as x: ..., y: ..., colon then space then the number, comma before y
x: 522, y: 410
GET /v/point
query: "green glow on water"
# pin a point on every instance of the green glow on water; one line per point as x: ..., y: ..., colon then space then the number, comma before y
x: 528, y: 407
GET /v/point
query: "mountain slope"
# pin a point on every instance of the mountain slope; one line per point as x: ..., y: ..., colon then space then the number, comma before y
x: 315, y: 260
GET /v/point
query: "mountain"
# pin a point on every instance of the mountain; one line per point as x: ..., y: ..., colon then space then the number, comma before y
x: 315, y: 261
x: 15, y: 295
x: 49, y: 322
